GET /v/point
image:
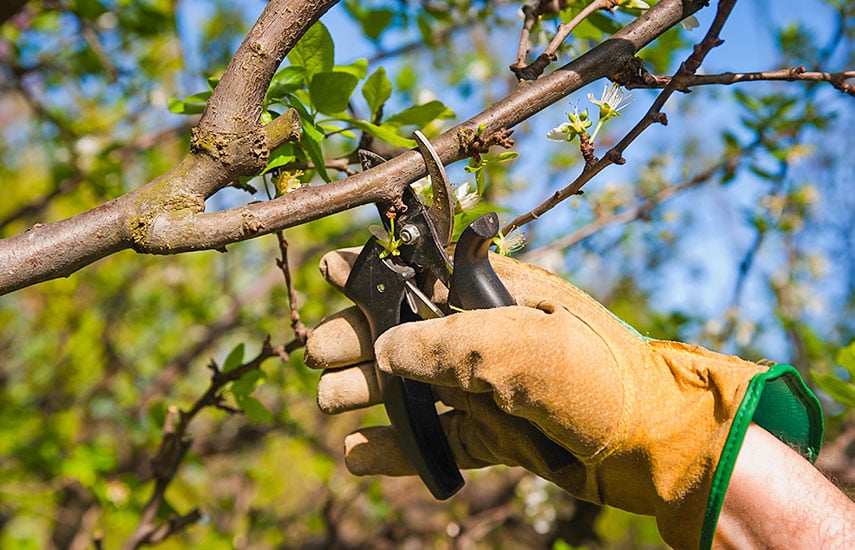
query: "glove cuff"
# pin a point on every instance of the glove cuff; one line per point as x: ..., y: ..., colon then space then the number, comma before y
x: 778, y: 401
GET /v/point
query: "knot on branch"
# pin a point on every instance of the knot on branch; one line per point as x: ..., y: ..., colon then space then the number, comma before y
x: 634, y: 75
x: 535, y: 69
x: 239, y: 154
x: 474, y: 144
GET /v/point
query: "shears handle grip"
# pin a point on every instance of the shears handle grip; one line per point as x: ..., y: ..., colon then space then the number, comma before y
x: 378, y: 288
x: 474, y: 285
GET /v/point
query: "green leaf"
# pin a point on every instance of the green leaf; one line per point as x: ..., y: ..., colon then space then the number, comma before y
x: 191, y: 105
x: 315, y: 51
x: 377, y: 21
x: 248, y: 382
x: 846, y: 359
x: 253, y: 409
x: 286, y: 80
x: 839, y: 390
x: 311, y: 144
x: 234, y: 359
x: 421, y: 115
x: 280, y: 157
x: 358, y: 68
x: 506, y: 156
x: 385, y: 132
x: 842, y: 391
x: 330, y: 91
x: 376, y: 90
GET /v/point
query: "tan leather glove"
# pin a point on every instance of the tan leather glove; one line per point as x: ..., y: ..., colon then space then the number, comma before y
x: 648, y: 420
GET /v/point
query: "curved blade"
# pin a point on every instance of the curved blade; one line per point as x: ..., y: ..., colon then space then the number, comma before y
x: 441, y: 212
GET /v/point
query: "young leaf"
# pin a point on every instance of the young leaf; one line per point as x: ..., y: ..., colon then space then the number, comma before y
x: 385, y: 132
x: 506, y: 156
x: 330, y: 91
x: 234, y: 359
x: 248, y: 382
x: 284, y: 81
x: 253, y: 409
x: 376, y: 21
x: 839, y: 390
x: 191, y: 105
x: 311, y: 144
x: 846, y: 359
x: 358, y: 68
x: 421, y: 115
x: 376, y: 90
x: 280, y: 157
x: 315, y: 51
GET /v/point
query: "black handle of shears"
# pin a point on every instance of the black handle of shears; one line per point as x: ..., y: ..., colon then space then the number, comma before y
x: 378, y: 288
x: 474, y: 285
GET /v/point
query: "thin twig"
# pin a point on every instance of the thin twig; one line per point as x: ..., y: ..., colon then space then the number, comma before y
x: 639, y: 210
x: 654, y: 115
x: 174, y: 446
x: 301, y: 331
x: 792, y: 74
x: 532, y: 71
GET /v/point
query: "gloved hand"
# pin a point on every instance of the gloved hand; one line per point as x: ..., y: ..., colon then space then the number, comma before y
x: 648, y: 420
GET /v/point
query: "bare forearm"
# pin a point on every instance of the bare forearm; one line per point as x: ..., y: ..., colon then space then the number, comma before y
x: 776, y: 499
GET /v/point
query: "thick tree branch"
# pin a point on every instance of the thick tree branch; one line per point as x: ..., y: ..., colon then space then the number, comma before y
x: 235, y: 106
x: 167, y: 215
x: 218, y: 229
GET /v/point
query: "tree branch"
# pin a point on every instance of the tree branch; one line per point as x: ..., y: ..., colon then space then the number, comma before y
x: 534, y: 70
x: 218, y: 229
x: 235, y: 106
x: 167, y: 215
x: 654, y: 115
x: 792, y: 74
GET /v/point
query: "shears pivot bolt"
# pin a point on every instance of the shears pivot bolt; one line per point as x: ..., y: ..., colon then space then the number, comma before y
x: 409, y: 234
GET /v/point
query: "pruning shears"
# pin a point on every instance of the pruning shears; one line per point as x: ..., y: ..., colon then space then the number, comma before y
x: 387, y: 283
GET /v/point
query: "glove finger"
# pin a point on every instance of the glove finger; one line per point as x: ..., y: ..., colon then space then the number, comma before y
x: 341, y: 390
x: 335, y: 266
x: 376, y: 451
x: 341, y: 340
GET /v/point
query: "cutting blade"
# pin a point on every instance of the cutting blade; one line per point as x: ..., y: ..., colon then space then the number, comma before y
x: 441, y: 211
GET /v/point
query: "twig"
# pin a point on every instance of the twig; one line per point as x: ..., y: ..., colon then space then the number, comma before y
x: 639, y: 210
x: 301, y: 331
x: 793, y: 74
x: 174, y: 447
x: 654, y: 115
x: 524, y: 71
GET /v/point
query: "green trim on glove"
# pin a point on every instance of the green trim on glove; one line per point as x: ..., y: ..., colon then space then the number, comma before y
x: 779, y: 401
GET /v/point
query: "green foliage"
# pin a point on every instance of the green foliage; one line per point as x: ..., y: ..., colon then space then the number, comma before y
x: 315, y: 51
x: 234, y: 359
x: 841, y: 387
x: 376, y: 91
